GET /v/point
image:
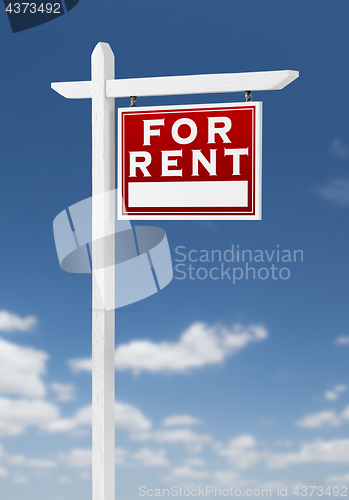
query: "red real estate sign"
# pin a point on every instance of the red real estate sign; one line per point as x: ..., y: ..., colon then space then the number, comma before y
x: 190, y: 162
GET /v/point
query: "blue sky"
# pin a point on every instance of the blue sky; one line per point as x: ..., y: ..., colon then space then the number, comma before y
x: 260, y: 396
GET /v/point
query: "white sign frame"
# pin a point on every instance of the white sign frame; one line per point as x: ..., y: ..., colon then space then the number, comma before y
x: 258, y: 163
x: 102, y: 89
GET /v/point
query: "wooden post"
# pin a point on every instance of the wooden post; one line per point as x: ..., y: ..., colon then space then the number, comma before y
x: 103, y: 323
x: 103, y: 89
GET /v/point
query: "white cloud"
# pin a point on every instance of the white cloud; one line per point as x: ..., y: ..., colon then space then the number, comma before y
x: 198, y: 346
x: 127, y: 417
x: 339, y: 149
x: 189, y: 477
x: 20, y: 479
x: 331, y: 395
x: 193, y: 441
x: 344, y: 340
x: 3, y: 472
x: 85, y: 475
x: 20, y: 370
x: 64, y: 392
x: 336, y: 192
x: 319, y: 451
x: 184, y: 420
x: 327, y: 418
x: 338, y: 479
x: 64, y: 480
x: 60, y: 425
x: 43, y: 473
x: 120, y: 456
x: 345, y: 414
x: 80, y: 365
x: 77, y: 457
x: 36, y: 463
x: 187, y: 472
x: 195, y: 462
x: 283, y: 443
x: 17, y: 415
x: 146, y: 457
x: 241, y: 452
x: 335, y: 393
x: 10, y: 322
x: 226, y: 477
x: 130, y: 418
x: 151, y: 458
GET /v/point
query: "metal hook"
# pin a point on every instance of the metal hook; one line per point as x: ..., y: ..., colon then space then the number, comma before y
x: 248, y: 95
x: 133, y: 101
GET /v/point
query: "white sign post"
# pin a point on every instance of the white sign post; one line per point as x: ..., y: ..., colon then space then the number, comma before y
x: 103, y: 89
x: 103, y: 322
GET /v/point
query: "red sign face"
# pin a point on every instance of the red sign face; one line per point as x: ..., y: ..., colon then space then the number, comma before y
x: 190, y: 162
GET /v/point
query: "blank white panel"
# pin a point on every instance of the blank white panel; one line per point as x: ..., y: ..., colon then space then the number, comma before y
x: 187, y: 194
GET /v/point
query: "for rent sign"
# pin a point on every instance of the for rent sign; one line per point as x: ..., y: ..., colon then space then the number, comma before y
x: 190, y: 162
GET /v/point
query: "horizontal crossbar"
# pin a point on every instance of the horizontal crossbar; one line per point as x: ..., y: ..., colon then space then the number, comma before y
x: 180, y: 85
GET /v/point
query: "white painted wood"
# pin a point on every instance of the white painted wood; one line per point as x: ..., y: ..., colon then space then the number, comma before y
x: 103, y: 323
x: 180, y: 85
x: 200, y: 84
x: 103, y: 88
x: 73, y: 90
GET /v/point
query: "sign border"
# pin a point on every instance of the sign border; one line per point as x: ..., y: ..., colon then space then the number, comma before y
x: 258, y: 105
